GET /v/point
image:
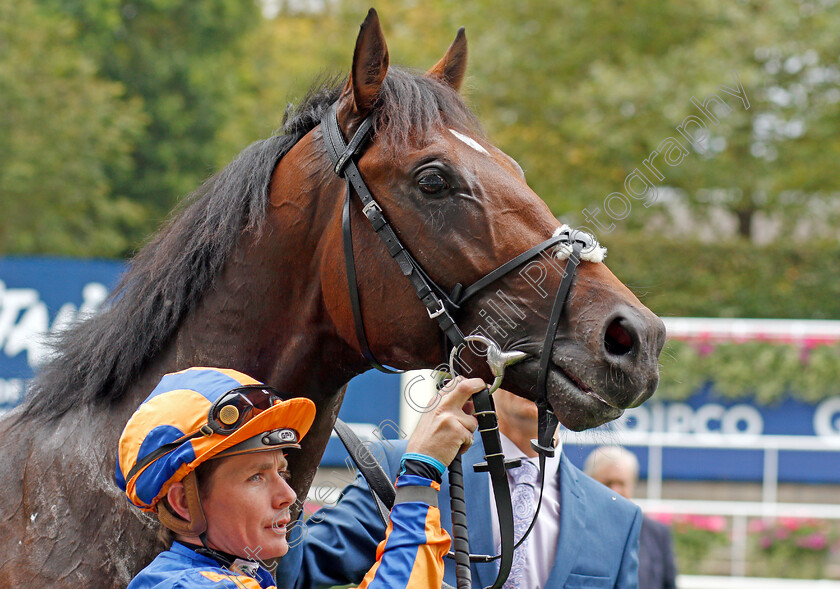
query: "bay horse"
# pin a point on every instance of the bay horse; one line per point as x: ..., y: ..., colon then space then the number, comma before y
x: 251, y: 276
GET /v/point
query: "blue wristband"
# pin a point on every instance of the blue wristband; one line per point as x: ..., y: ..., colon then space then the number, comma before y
x: 437, y: 464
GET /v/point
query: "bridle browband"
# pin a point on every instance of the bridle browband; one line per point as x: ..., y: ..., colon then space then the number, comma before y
x: 441, y: 306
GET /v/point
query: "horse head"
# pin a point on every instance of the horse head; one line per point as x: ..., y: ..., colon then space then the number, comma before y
x: 462, y: 208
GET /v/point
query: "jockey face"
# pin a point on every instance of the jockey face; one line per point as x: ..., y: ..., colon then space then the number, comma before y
x: 247, y: 505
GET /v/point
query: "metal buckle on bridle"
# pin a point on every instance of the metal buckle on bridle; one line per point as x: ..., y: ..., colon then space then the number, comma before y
x: 437, y: 313
x: 372, y: 205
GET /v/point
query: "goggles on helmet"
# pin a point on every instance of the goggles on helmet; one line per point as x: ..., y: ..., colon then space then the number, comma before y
x: 237, y: 406
x: 227, y: 414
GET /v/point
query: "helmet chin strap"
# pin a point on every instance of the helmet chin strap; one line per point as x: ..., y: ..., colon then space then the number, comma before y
x: 202, y: 537
x: 197, y: 526
x: 231, y: 562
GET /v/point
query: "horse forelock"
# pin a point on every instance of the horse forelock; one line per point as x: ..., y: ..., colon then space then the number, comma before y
x: 97, y: 360
x: 411, y: 106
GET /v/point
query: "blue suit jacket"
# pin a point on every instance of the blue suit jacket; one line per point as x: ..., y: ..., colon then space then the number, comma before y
x: 657, y: 569
x: 598, y: 544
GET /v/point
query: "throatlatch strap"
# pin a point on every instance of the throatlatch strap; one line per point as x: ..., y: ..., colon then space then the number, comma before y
x: 355, y: 306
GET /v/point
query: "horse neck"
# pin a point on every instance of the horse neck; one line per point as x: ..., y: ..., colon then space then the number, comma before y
x: 266, y: 314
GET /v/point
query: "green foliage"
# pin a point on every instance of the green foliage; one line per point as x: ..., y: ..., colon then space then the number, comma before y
x: 180, y: 60
x: 822, y: 377
x: 770, y: 159
x: 65, y: 140
x: 729, y: 279
x: 580, y: 93
x: 766, y: 372
x: 682, y: 371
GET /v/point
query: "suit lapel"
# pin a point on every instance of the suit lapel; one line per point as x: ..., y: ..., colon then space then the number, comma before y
x: 572, y: 521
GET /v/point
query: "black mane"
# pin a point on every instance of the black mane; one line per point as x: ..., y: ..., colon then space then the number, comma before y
x: 96, y: 360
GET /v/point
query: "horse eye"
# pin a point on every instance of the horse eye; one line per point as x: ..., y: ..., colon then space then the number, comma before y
x: 432, y: 183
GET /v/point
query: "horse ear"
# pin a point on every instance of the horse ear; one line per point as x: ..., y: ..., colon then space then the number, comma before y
x: 451, y: 68
x: 370, y: 64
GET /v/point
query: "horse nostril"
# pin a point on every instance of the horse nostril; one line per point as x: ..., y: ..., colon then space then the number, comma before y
x: 617, y: 339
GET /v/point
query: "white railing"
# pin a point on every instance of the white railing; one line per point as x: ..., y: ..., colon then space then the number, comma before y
x: 740, y: 512
x: 715, y: 582
x: 656, y: 441
x: 727, y: 329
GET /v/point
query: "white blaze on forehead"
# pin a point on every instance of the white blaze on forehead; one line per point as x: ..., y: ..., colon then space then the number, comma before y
x: 469, y: 141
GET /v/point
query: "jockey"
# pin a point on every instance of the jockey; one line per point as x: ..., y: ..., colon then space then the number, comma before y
x: 206, y: 452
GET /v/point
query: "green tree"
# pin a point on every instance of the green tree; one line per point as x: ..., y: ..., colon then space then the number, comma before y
x: 774, y: 159
x: 182, y: 60
x: 582, y: 93
x: 64, y: 136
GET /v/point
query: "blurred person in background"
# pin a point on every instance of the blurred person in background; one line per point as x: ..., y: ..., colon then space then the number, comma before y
x: 618, y: 469
x: 583, y: 536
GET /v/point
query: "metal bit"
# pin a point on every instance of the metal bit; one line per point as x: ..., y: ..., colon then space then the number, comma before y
x: 496, y: 359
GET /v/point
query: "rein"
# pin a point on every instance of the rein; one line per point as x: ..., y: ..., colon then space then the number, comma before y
x: 441, y: 306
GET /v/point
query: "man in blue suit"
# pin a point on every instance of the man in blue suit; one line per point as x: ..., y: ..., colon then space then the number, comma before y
x: 586, y: 535
x: 618, y: 469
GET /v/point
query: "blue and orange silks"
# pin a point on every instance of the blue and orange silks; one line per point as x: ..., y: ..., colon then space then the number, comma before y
x: 410, y: 557
x: 177, y: 407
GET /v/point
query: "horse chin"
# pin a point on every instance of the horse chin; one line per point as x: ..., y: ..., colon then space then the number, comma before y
x: 578, y: 408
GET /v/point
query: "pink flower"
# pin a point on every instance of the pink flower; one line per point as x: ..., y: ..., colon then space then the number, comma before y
x: 664, y: 518
x: 815, y: 541
x: 705, y: 349
x: 791, y: 523
x: 716, y: 523
x: 711, y: 523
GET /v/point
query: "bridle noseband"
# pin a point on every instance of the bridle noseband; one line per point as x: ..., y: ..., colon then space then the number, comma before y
x: 441, y: 306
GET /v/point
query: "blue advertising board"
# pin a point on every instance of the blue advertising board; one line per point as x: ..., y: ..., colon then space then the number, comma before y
x: 708, y: 412
x: 39, y: 296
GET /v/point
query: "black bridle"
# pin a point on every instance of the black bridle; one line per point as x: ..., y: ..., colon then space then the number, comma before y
x: 441, y: 306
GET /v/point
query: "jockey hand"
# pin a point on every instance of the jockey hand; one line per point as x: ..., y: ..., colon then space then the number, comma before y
x: 447, y: 425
